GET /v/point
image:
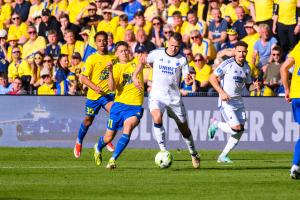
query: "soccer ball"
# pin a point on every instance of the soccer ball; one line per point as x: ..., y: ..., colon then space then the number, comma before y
x: 163, y: 159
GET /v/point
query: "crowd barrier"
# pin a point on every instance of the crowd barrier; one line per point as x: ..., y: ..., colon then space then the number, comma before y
x: 33, y: 121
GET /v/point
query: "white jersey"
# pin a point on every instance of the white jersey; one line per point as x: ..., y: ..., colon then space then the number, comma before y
x: 233, y: 78
x: 167, y: 72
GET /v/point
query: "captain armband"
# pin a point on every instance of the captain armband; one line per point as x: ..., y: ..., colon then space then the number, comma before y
x: 275, y: 9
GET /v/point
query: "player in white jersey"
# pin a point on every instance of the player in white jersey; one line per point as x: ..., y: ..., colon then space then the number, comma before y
x: 168, y: 67
x: 234, y: 73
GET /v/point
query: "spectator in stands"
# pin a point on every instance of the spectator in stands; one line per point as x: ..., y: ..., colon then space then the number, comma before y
x: 13, y: 42
x: 18, y: 67
x: 130, y: 39
x: 91, y: 19
x: 130, y: 7
x: 35, y: 10
x: 109, y: 23
x: 3, y: 66
x: 227, y: 47
x: 17, y: 87
x: 122, y: 27
x: 72, y: 88
x: 259, y: 89
x: 158, y: 8
x: 110, y: 42
x: 4, y: 86
x: 250, y: 39
x: 22, y: 7
x: 217, y: 29
x: 157, y: 32
x: 47, y: 87
x: 202, y: 46
x: 3, y: 44
x: 167, y: 31
x: 53, y: 47
x: 49, y: 23
x: 189, y: 84
x: 193, y: 24
x: 272, y: 69
x: 49, y: 64
x: 262, y: 11
x: 143, y: 44
x: 67, y: 25
x: 62, y: 69
x: 18, y: 28
x: 5, y: 13
x: 203, y: 72
x: 285, y: 20
x: 36, y: 68
x: 140, y: 22
x: 34, y: 44
x: 76, y: 64
x: 239, y: 24
x: 58, y: 8
x: 187, y: 51
x: 74, y: 8
x: 177, y: 5
x: 72, y: 45
x: 178, y: 22
x: 263, y: 46
x: 37, y: 20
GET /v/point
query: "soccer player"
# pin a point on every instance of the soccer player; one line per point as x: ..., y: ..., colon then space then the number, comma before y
x: 127, y: 109
x: 95, y: 76
x: 233, y: 73
x: 168, y: 66
x: 292, y: 95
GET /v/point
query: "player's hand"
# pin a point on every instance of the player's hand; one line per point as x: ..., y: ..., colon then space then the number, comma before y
x: 137, y: 83
x: 287, y: 96
x: 224, y: 96
x: 98, y: 90
x: 142, y: 58
x: 109, y: 66
x: 297, y: 29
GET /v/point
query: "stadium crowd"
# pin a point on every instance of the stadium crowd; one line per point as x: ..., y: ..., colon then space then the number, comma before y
x: 44, y: 44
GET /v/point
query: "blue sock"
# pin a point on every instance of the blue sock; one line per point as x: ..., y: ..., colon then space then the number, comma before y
x: 82, y: 132
x: 122, y: 143
x: 101, y: 143
x: 296, y: 160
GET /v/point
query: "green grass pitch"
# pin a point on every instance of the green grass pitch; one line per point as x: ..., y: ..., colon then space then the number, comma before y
x: 54, y: 173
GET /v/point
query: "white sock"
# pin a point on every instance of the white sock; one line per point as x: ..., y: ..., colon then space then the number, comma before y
x: 190, y: 144
x: 295, y: 168
x: 160, y: 137
x: 225, y: 128
x: 232, y: 142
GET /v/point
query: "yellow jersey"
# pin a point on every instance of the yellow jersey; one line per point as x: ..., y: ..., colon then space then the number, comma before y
x: 295, y: 84
x: 206, y: 49
x: 30, y: 47
x: 287, y: 11
x: 108, y: 26
x: 126, y: 92
x: 251, y: 40
x: 120, y: 32
x: 75, y: 7
x: 147, y: 28
x: 58, y: 7
x: 22, y: 68
x: 263, y: 9
x: 202, y: 75
x: 200, y: 26
x: 183, y: 8
x: 265, y: 92
x: 70, y: 49
x: 46, y: 89
x: 96, y: 71
x: 19, y: 31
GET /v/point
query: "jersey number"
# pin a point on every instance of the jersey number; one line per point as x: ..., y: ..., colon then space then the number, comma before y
x: 89, y: 111
x: 110, y: 123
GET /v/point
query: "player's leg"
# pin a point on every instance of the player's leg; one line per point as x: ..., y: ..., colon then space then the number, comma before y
x: 110, y: 147
x: 131, y: 120
x: 157, y: 110
x: 178, y: 113
x: 235, y: 121
x: 295, y: 174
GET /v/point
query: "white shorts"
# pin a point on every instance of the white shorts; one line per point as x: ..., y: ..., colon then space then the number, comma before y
x: 175, y: 111
x: 233, y: 115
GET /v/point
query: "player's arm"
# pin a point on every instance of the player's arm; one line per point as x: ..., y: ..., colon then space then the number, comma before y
x: 252, y: 11
x: 284, y: 73
x: 275, y: 17
x: 139, y: 68
x: 111, y: 80
x: 86, y: 81
x: 213, y: 79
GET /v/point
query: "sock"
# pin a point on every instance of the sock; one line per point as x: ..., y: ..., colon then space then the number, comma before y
x: 296, y: 160
x: 160, y: 133
x: 81, y: 133
x: 226, y: 128
x: 295, y: 168
x: 190, y: 144
x: 122, y: 143
x: 101, y: 144
x: 232, y: 142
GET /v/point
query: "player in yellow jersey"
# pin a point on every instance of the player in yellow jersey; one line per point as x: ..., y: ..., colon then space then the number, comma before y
x: 95, y: 77
x: 127, y: 109
x: 292, y: 94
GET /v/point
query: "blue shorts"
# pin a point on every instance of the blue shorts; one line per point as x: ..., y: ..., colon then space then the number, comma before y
x: 296, y: 109
x: 92, y: 107
x: 119, y: 112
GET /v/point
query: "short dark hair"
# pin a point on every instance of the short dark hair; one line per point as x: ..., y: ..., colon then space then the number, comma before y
x: 277, y: 48
x: 241, y: 44
x: 121, y: 43
x: 139, y: 13
x: 176, y: 36
x: 65, y: 16
x: 3, y: 75
x: 123, y: 17
x: 52, y: 32
x: 103, y: 33
x: 176, y: 13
